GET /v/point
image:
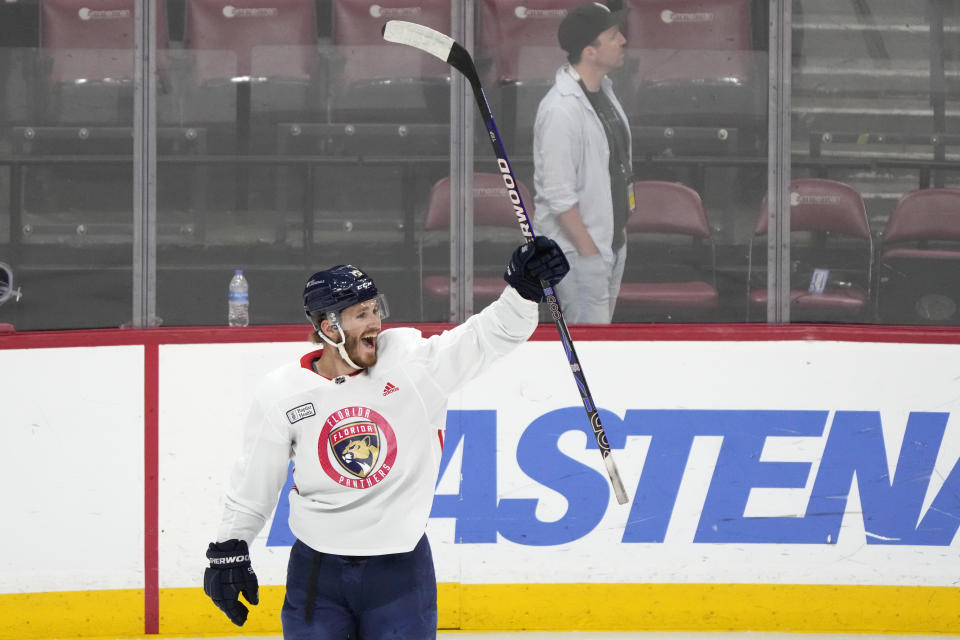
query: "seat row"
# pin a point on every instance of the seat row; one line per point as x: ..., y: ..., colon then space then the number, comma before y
x: 688, y: 64
x: 910, y: 275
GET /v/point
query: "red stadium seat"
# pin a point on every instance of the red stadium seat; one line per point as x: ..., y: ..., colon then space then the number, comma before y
x: 251, y: 39
x: 90, y: 50
x: 495, y: 229
x: 85, y: 108
x: 517, y: 44
x: 520, y: 37
x: 920, y: 259
x: 693, y: 63
x: 669, y: 282
x: 266, y: 46
x: 829, y: 230
x: 382, y: 81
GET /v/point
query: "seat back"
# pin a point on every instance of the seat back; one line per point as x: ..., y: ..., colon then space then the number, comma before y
x: 251, y: 39
x: 692, y: 40
x: 823, y: 205
x: 920, y: 259
x: 495, y: 225
x: 94, y: 44
x: 378, y: 81
x: 823, y: 208
x: 926, y: 214
x: 692, y: 64
x: 357, y: 26
x: 520, y: 38
x: 668, y: 207
x: 491, y: 205
x: 668, y: 279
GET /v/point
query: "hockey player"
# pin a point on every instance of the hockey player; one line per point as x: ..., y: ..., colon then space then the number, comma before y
x: 362, y: 420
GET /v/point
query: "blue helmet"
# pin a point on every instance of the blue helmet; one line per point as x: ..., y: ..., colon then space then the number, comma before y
x: 335, y: 289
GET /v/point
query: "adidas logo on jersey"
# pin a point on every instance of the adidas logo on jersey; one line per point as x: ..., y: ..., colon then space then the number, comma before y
x: 390, y: 388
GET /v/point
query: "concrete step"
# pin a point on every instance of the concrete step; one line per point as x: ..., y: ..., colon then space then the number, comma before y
x: 881, y: 41
x: 912, y: 115
x: 867, y: 9
x: 830, y: 77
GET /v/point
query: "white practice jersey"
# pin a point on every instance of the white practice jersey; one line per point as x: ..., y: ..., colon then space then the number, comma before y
x: 366, y: 447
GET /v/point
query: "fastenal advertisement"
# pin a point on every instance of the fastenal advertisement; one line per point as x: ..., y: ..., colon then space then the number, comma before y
x: 769, y: 463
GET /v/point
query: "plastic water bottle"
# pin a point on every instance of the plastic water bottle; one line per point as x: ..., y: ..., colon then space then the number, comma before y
x: 238, y: 302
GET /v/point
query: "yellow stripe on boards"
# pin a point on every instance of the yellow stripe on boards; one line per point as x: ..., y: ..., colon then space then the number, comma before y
x: 71, y: 614
x: 449, y: 611
x: 712, y: 607
x: 506, y: 607
x: 190, y: 611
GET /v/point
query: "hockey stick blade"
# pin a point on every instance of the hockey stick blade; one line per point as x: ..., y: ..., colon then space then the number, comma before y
x: 433, y: 42
x: 447, y: 49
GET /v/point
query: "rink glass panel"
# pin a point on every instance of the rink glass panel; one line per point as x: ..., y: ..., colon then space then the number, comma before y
x: 291, y: 138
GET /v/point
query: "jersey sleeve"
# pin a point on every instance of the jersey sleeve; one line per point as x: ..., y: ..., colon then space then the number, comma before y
x: 456, y: 356
x: 257, y: 476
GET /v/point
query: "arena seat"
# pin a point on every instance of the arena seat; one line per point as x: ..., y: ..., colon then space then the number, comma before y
x: 84, y: 108
x: 495, y: 232
x: 829, y: 231
x: 378, y: 81
x: 253, y: 61
x: 89, y: 61
x: 251, y: 65
x: 692, y: 63
x: 667, y: 280
x: 518, y: 55
x: 919, y: 266
x: 520, y: 38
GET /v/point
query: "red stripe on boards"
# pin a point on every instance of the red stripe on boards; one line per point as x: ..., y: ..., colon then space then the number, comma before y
x: 151, y: 485
x: 546, y: 332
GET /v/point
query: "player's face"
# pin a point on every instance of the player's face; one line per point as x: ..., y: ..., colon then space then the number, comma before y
x: 609, y: 48
x: 361, y: 326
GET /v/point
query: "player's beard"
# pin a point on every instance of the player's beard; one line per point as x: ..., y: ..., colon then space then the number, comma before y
x: 362, y: 356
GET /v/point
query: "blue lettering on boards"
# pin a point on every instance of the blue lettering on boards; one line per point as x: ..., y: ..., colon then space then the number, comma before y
x: 854, y: 452
x: 280, y: 534
x: 475, y: 506
x: 585, y: 490
x: 891, y: 506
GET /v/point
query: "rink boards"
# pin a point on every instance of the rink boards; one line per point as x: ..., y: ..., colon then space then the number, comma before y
x: 776, y: 483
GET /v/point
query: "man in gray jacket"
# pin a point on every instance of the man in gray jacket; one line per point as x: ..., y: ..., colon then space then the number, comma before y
x: 583, y: 172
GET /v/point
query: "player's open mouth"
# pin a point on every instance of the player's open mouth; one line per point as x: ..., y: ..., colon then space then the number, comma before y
x: 369, y: 342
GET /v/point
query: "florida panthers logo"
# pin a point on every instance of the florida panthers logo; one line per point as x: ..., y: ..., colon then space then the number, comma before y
x: 357, y: 452
x: 357, y: 447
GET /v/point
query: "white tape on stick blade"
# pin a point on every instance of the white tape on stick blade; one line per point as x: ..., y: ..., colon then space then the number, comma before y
x: 418, y: 36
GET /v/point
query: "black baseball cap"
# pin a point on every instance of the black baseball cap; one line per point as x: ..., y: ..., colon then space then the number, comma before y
x: 582, y: 25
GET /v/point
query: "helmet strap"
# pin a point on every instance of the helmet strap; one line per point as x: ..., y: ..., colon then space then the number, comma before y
x: 341, y: 346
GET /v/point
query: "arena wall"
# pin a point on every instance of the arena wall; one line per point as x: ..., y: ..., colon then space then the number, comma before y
x: 781, y: 479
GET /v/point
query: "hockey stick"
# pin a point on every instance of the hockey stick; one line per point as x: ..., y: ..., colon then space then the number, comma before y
x: 448, y: 50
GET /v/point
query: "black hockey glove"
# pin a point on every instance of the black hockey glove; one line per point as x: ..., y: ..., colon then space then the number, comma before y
x: 532, y: 262
x: 229, y: 575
